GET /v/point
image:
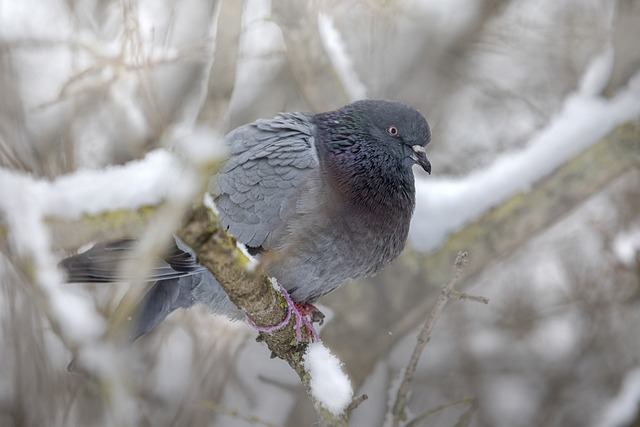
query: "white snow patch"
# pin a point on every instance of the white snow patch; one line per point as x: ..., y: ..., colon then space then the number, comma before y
x: 598, y: 73
x: 201, y: 144
x: 208, y: 202
x: 148, y: 181
x: 626, y: 246
x: 329, y: 385
x: 342, y: 63
x: 138, y: 183
x: 274, y: 284
x: 29, y: 240
x: 623, y: 408
x: 253, y: 261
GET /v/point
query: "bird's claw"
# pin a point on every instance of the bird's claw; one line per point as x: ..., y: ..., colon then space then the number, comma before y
x: 305, y: 314
x: 311, y: 311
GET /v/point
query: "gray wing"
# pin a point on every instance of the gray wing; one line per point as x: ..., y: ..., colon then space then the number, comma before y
x: 260, y: 184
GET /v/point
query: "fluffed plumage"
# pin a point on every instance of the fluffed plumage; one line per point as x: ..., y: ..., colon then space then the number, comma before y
x: 323, y: 198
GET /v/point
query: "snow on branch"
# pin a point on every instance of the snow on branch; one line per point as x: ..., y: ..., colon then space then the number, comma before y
x: 252, y: 291
x: 160, y: 180
x: 447, y: 204
x: 329, y: 385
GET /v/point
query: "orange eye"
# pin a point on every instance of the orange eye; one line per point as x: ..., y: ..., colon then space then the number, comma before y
x: 392, y: 130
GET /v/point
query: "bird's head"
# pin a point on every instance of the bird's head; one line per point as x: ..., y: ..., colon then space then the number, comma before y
x: 398, y: 126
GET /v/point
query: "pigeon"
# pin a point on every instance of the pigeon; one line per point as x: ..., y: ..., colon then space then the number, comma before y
x: 322, y: 199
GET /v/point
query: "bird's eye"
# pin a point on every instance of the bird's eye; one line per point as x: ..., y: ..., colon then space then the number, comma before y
x: 392, y: 130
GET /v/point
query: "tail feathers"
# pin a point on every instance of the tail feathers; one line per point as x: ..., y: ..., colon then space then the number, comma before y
x: 165, y: 296
x: 102, y: 263
x: 178, y: 281
x: 157, y: 304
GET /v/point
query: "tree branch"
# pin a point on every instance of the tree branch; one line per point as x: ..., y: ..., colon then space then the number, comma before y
x: 402, y: 397
x: 252, y: 291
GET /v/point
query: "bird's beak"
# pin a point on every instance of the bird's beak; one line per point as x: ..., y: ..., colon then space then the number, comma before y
x: 420, y: 157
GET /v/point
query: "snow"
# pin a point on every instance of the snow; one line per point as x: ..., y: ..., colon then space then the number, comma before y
x: 201, y: 145
x: 252, y: 262
x: 330, y: 387
x: 596, y: 77
x: 444, y: 204
x: 144, y: 182
x: 622, y: 410
x: 130, y: 186
x: 32, y: 19
x: 626, y: 246
x: 160, y: 176
x: 29, y: 241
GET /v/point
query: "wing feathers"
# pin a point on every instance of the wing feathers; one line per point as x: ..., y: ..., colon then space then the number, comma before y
x: 258, y: 188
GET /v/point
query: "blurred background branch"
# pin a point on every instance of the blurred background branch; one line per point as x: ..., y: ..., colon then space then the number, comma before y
x: 87, y: 84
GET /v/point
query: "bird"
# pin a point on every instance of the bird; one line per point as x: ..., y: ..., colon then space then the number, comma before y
x: 321, y: 198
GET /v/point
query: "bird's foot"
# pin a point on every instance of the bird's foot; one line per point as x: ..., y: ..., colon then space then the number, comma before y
x: 311, y: 311
x: 305, y: 314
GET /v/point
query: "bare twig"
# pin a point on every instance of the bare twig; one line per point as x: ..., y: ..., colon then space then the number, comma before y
x: 399, y: 407
x: 469, y: 400
x: 465, y: 418
x: 466, y: 297
x: 356, y: 402
x: 235, y: 413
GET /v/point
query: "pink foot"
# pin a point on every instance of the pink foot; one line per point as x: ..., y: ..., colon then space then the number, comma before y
x: 305, y: 314
x: 311, y: 311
